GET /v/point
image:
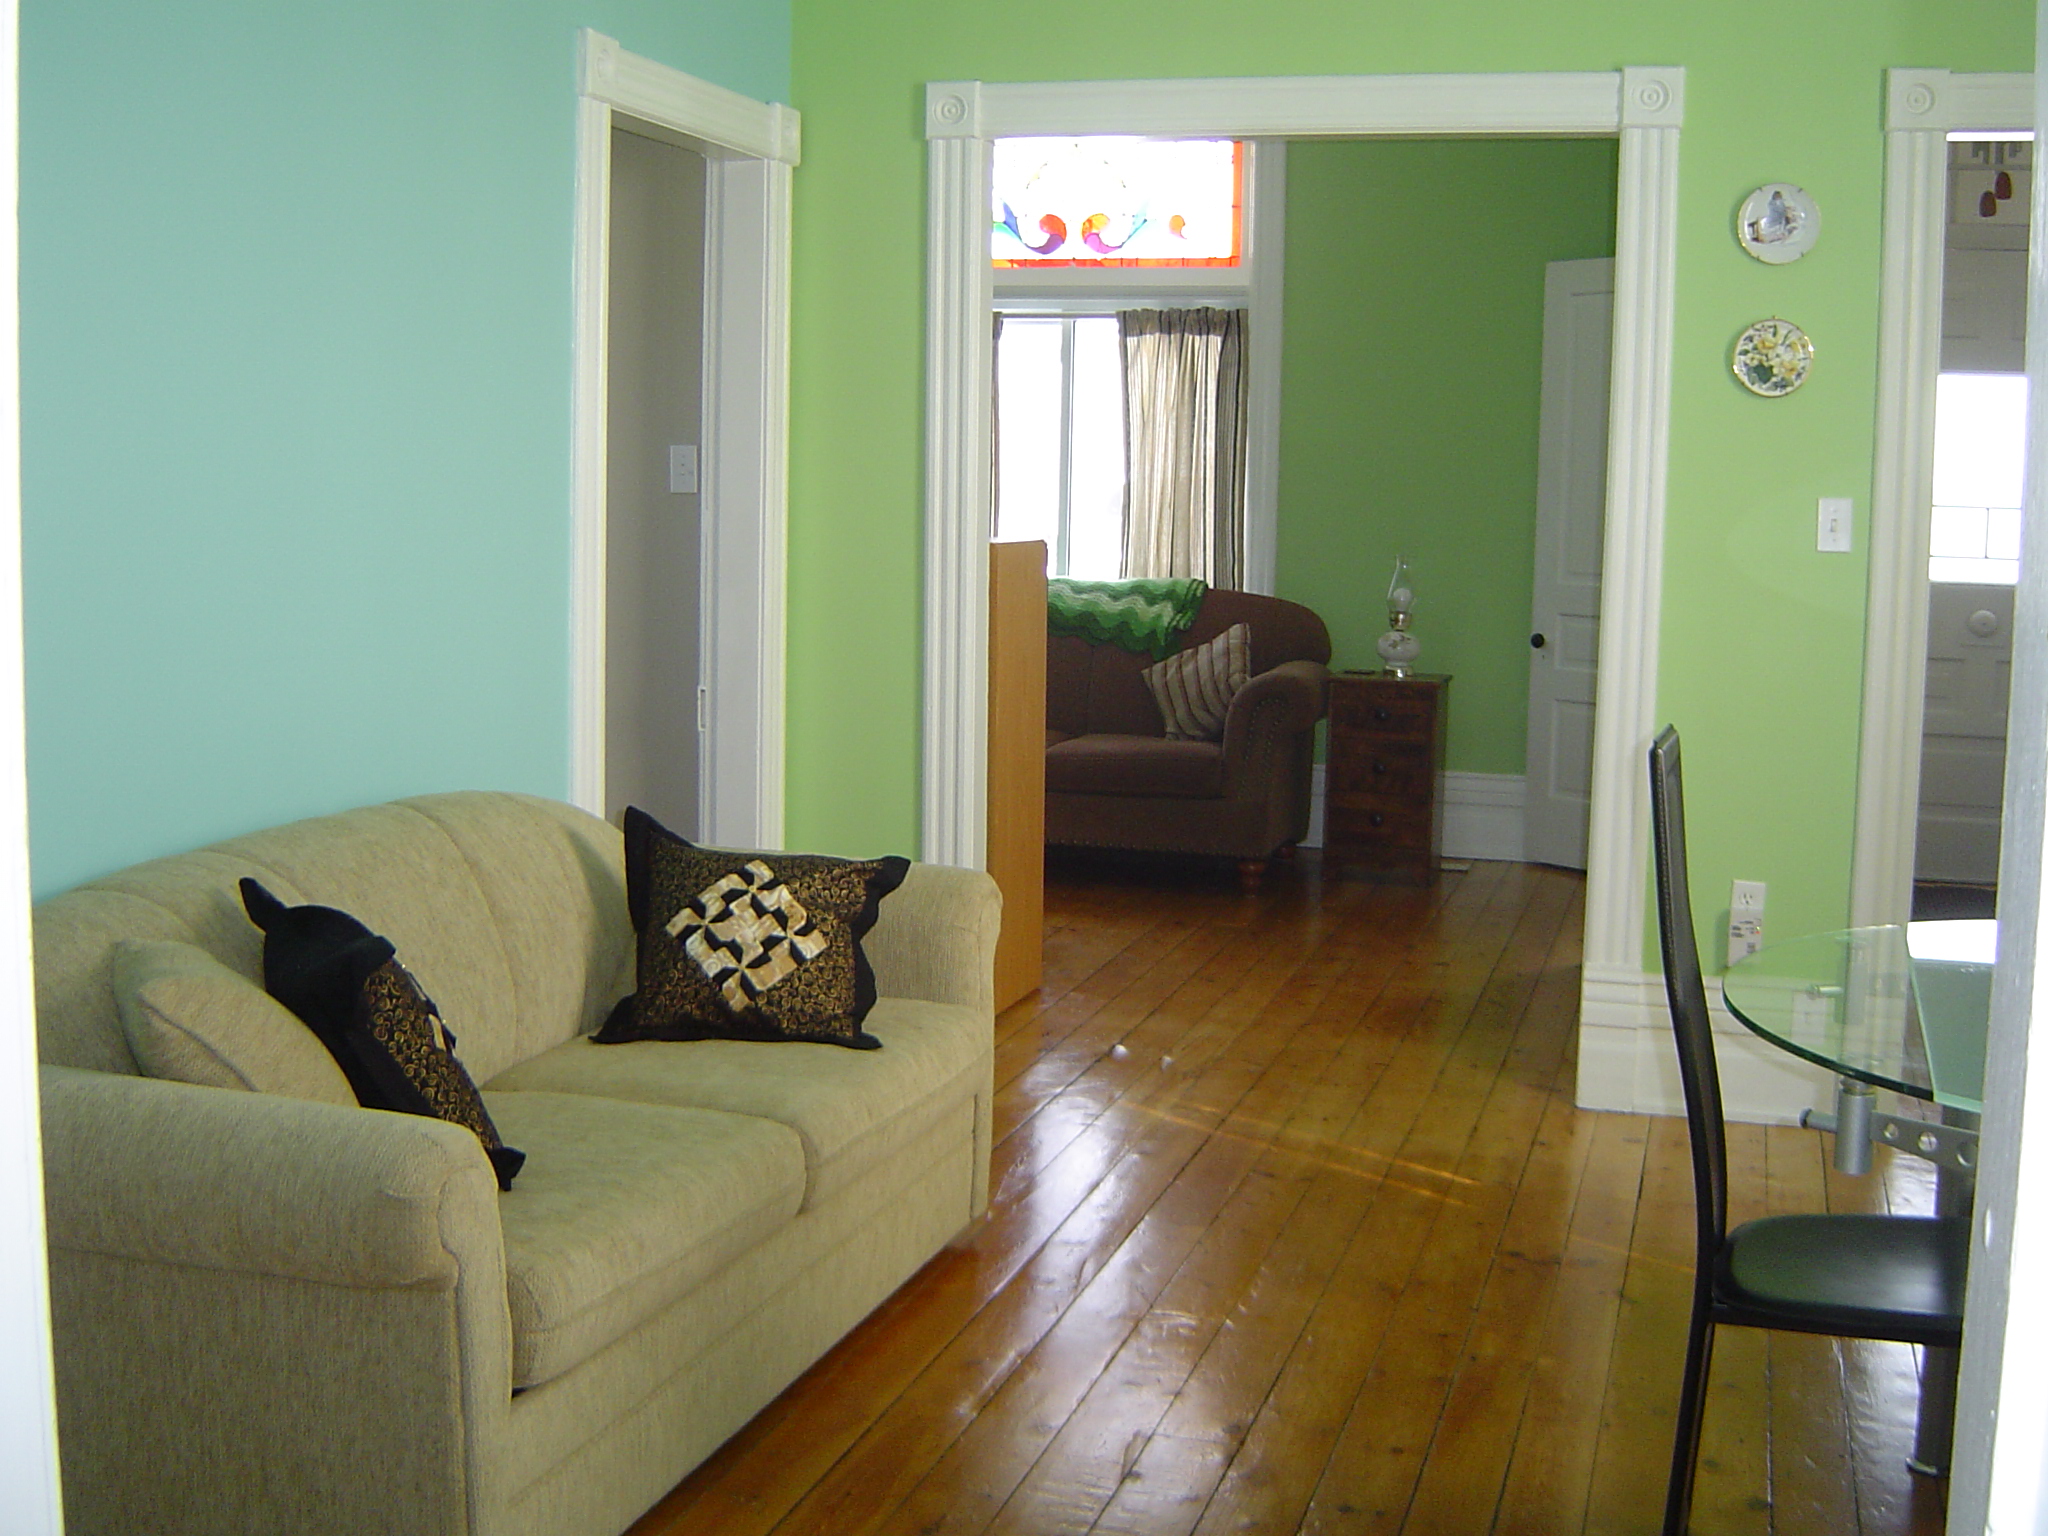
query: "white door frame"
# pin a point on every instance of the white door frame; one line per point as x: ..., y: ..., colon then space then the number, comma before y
x: 1643, y: 108
x: 1922, y: 108
x: 751, y: 147
x: 29, y: 1479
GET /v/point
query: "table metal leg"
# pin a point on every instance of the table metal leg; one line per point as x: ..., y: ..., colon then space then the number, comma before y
x: 1935, y: 1426
x: 1855, y: 1102
x: 1955, y: 1192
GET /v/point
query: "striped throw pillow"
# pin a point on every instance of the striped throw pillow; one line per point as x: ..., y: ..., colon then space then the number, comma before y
x: 1194, y: 688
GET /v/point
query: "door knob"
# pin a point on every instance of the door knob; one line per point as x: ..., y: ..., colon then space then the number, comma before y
x: 1983, y: 623
x: 1536, y: 640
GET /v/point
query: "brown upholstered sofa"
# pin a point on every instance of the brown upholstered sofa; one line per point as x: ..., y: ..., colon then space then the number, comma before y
x: 1113, y: 780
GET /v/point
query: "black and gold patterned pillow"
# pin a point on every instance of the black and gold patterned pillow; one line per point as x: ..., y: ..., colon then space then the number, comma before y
x: 383, y: 1031
x: 747, y: 946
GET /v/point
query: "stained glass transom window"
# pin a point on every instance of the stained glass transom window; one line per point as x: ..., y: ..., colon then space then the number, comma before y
x: 1118, y: 202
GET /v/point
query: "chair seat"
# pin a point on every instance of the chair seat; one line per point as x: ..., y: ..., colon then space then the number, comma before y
x: 1878, y: 1277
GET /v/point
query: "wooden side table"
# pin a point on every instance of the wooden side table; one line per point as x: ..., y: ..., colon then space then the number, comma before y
x: 1382, y: 809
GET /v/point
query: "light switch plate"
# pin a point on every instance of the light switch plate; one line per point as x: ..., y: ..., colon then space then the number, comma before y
x: 682, y: 468
x: 1837, y: 514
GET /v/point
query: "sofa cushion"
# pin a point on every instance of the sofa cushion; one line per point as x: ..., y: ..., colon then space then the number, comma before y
x: 851, y: 1109
x: 1194, y: 688
x: 381, y: 1027
x: 625, y: 1207
x: 1135, y: 765
x: 191, y: 1019
x: 747, y: 946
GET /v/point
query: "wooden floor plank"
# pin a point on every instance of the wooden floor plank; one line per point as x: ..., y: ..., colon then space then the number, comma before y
x: 1295, y: 1227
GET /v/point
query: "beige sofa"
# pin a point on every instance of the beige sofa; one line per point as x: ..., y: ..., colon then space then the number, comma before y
x: 276, y: 1315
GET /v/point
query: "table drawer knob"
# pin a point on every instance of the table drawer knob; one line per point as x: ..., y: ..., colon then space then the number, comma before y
x: 1378, y: 766
x: 1378, y: 819
x: 1382, y: 713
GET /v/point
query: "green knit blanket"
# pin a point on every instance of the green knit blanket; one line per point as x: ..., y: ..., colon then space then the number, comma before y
x: 1146, y: 615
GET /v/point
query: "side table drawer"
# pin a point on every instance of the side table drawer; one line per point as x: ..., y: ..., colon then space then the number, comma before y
x: 1383, y: 768
x: 1386, y: 713
x: 1372, y: 820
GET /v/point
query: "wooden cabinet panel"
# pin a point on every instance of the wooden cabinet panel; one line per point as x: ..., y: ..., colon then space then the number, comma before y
x: 1016, y: 761
x: 1383, y: 809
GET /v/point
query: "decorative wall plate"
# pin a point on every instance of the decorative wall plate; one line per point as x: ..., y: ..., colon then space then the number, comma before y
x: 1772, y: 357
x: 1778, y: 223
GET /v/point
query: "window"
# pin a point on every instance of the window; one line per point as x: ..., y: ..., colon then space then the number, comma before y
x: 1980, y: 461
x: 1117, y: 202
x: 1060, y: 436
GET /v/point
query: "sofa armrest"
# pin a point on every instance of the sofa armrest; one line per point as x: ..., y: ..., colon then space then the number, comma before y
x: 213, y: 1179
x: 1285, y: 700
x: 255, y: 1299
x: 936, y: 937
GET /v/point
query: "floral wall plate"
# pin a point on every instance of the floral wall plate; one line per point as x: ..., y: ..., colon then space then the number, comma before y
x: 1772, y: 357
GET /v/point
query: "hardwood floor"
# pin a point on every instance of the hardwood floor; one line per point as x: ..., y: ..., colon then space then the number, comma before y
x: 1295, y: 1228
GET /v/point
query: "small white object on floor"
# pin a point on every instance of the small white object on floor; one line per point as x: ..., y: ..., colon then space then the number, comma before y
x: 1454, y: 866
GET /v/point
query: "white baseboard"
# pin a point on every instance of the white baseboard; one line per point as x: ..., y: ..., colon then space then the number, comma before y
x: 1628, y: 1061
x: 1482, y: 814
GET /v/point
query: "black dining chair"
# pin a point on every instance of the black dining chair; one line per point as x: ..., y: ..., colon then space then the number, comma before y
x: 1857, y: 1277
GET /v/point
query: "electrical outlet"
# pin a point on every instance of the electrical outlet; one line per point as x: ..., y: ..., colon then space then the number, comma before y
x: 1745, y: 919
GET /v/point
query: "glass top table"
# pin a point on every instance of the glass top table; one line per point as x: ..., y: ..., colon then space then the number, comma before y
x: 1904, y: 1008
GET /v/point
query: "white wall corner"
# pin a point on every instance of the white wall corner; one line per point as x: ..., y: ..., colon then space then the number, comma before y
x: 952, y: 109
x: 1653, y: 96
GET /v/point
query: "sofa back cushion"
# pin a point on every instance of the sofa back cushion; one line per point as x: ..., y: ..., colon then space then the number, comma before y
x: 510, y: 910
x: 1092, y: 689
x: 191, y: 1019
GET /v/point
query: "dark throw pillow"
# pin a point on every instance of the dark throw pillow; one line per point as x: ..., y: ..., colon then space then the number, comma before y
x: 386, y: 1035
x: 747, y: 946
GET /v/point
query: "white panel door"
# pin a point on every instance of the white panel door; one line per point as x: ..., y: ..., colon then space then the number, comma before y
x: 1962, y: 740
x: 1571, y: 516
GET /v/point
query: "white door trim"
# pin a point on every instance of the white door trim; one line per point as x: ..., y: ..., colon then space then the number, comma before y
x: 1267, y: 311
x: 1644, y: 108
x: 752, y: 147
x: 29, y: 1480
x: 2001, y: 1415
x: 1922, y: 107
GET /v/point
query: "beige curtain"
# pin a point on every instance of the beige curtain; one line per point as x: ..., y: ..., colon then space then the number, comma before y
x: 1184, y: 442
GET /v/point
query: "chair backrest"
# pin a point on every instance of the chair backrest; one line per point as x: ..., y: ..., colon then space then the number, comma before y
x: 1687, y: 992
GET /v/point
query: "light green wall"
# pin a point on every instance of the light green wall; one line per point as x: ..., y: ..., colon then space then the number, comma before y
x: 1412, y: 375
x: 295, y: 400
x: 1761, y: 641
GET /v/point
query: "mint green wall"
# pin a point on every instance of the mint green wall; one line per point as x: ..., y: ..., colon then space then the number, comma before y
x: 1761, y: 642
x: 295, y: 400
x: 1412, y: 376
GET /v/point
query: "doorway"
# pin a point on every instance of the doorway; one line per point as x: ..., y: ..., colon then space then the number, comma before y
x: 653, y: 567
x: 1927, y: 110
x: 1644, y: 108
x: 1979, y: 464
x: 748, y: 149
